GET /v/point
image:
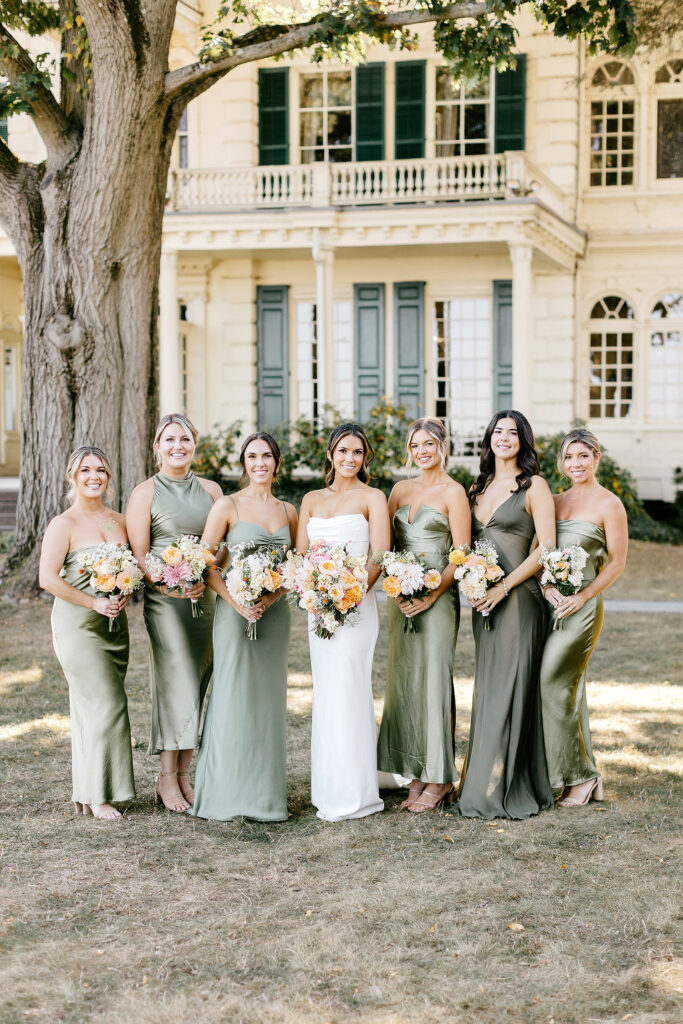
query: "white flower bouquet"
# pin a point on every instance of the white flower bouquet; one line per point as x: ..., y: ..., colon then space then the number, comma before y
x: 249, y: 576
x: 406, y: 574
x: 113, y: 569
x: 563, y: 569
x: 476, y: 570
x: 327, y: 582
x: 182, y: 564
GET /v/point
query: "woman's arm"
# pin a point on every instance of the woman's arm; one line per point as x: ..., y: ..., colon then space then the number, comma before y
x: 53, y: 552
x: 293, y: 521
x: 616, y: 534
x: 302, y: 544
x: 139, y: 522
x: 380, y: 531
x: 211, y: 487
x: 219, y: 522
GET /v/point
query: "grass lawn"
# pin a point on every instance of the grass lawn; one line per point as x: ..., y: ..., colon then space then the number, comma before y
x: 393, y: 919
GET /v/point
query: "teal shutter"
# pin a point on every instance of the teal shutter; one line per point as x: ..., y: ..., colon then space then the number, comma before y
x: 510, y: 107
x: 409, y: 337
x: 368, y: 318
x: 272, y: 348
x: 4, y: 134
x: 273, y: 116
x: 502, y: 345
x: 370, y: 112
x: 410, y: 109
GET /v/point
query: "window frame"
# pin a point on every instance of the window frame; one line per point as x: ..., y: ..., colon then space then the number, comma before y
x: 626, y: 325
x: 614, y: 92
x: 648, y: 330
x: 295, y: 147
x: 431, y: 99
x: 661, y: 91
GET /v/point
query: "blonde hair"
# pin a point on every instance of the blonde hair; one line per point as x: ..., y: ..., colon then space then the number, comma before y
x: 165, y: 421
x: 74, y: 462
x: 435, y: 429
x: 578, y: 436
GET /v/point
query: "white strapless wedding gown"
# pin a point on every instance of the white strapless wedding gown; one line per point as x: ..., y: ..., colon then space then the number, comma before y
x: 343, y: 736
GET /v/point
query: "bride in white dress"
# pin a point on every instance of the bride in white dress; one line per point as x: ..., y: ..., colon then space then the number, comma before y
x: 343, y: 736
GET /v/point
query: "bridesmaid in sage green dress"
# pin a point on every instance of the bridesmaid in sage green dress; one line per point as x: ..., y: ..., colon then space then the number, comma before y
x: 590, y: 515
x: 172, y: 503
x: 94, y: 660
x: 241, y: 770
x: 430, y: 515
x: 505, y: 773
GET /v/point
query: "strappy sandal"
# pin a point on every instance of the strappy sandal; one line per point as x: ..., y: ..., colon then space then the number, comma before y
x: 594, y: 793
x: 87, y: 809
x: 430, y: 801
x: 416, y: 788
x: 186, y: 775
x: 160, y: 800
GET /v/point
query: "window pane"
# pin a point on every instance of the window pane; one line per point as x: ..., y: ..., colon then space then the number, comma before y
x: 476, y: 121
x: 10, y: 360
x: 311, y: 91
x: 446, y: 87
x: 447, y: 122
x: 476, y: 87
x: 339, y: 89
x: 339, y: 128
x: 670, y: 139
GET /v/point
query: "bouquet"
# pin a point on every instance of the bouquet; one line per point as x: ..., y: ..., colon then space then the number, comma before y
x: 407, y: 574
x: 113, y: 570
x: 328, y: 582
x: 182, y: 563
x: 249, y: 576
x: 563, y: 569
x: 476, y: 571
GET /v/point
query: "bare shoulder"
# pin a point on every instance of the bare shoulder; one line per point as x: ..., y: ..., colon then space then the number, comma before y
x: 310, y: 498
x: 455, y: 492
x: 143, y: 492
x: 539, y: 486
x: 376, y: 497
x: 291, y: 511
x: 611, y: 503
x: 118, y: 517
x: 211, y: 487
x: 225, y: 502
x: 60, y: 526
x: 399, y: 490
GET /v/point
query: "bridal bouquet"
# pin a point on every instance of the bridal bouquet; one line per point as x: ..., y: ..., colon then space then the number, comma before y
x: 406, y: 574
x: 113, y: 570
x: 182, y: 563
x: 476, y: 571
x: 563, y: 569
x: 328, y: 582
x: 250, y: 576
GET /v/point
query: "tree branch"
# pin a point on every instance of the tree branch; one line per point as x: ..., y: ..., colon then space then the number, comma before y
x: 59, y: 135
x: 20, y: 206
x: 191, y: 80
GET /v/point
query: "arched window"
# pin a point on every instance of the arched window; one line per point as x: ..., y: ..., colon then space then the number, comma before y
x: 610, y: 377
x: 612, y: 125
x: 666, y: 358
x: 669, y: 87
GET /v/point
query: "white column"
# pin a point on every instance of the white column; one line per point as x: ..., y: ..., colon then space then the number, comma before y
x: 169, y: 352
x: 522, y: 326
x: 323, y: 255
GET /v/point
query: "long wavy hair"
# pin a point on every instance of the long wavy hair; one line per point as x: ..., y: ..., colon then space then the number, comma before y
x: 73, y: 466
x: 258, y: 435
x: 343, y: 430
x: 527, y: 459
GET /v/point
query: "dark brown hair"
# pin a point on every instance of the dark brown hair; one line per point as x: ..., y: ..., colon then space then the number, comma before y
x: 343, y: 430
x: 258, y: 435
x: 527, y: 459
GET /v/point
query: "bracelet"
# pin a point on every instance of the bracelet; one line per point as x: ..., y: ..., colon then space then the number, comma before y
x: 505, y: 587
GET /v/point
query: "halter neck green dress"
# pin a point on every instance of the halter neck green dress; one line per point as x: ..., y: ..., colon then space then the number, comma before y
x: 416, y: 738
x: 181, y: 651
x: 94, y: 662
x: 505, y: 774
x: 565, y: 664
x: 241, y: 769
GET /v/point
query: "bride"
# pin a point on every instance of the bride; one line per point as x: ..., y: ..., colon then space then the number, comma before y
x: 343, y: 738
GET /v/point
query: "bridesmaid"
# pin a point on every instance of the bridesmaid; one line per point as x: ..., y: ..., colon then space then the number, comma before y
x: 505, y: 773
x: 93, y: 660
x: 241, y: 766
x: 171, y: 503
x: 590, y: 515
x: 430, y: 514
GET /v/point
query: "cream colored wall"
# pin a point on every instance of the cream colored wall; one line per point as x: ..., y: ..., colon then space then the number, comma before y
x: 10, y: 335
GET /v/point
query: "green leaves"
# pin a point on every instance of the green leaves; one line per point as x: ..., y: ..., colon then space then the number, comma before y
x: 17, y: 98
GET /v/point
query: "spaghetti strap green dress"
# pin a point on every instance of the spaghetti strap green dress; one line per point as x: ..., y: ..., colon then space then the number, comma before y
x: 564, y: 668
x: 241, y: 768
x: 505, y: 773
x: 416, y: 737
x: 94, y: 662
x: 181, y: 650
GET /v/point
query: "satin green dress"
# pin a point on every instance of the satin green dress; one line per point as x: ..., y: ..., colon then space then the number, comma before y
x: 94, y: 662
x: 505, y: 773
x: 565, y: 663
x: 181, y: 650
x: 416, y: 738
x: 241, y: 769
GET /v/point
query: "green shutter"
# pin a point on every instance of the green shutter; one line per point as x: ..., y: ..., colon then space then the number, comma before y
x: 409, y: 335
x: 410, y: 109
x: 370, y: 112
x: 4, y: 134
x: 273, y: 116
x: 272, y: 334
x: 368, y: 317
x: 502, y: 345
x: 510, y: 107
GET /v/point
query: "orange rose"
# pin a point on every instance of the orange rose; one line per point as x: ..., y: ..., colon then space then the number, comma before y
x: 105, y: 583
x: 355, y: 594
x: 209, y: 558
x: 273, y: 581
x: 345, y: 603
x: 392, y: 586
x: 493, y: 573
x: 172, y: 555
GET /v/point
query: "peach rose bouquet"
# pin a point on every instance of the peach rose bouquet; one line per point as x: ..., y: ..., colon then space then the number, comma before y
x: 328, y: 583
x: 181, y: 564
x: 563, y: 569
x: 476, y: 570
x: 113, y: 569
x: 407, y: 575
x: 250, y: 576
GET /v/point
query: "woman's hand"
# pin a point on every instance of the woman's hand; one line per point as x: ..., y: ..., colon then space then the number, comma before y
x: 249, y: 612
x: 109, y: 606
x: 195, y: 591
x: 552, y: 596
x: 494, y: 595
x: 569, y: 605
x: 412, y: 608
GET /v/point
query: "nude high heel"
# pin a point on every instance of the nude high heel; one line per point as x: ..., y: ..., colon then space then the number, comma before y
x: 594, y: 793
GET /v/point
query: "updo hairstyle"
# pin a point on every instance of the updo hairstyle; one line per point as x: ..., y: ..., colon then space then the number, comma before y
x: 74, y: 462
x: 165, y: 421
x: 435, y: 428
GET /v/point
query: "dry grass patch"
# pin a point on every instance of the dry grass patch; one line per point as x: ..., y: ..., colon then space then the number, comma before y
x: 394, y: 919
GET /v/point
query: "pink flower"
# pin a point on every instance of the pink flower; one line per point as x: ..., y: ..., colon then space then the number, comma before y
x: 176, y: 575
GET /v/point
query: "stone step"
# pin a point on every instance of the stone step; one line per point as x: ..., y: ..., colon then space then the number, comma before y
x: 8, y: 509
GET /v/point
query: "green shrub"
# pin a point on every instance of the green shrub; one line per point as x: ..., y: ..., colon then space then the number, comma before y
x: 462, y: 475
x: 216, y: 453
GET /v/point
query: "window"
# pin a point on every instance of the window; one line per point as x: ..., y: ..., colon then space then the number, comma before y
x: 669, y: 82
x: 10, y: 382
x: 326, y: 117
x: 463, y: 370
x: 183, y: 372
x: 463, y: 115
x: 666, y: 358
x: 610, y: 376
x: 183, y: 140
x: 343, y: 355
x: 307, y: 359
x: 612, y: 125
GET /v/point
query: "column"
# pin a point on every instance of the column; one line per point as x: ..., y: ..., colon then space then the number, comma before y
x: 522, y: 326
x: 323, y: 255
x: 169, y: 354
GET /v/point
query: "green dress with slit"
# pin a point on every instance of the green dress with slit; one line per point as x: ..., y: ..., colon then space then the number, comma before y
x: 94, y: 662
x: 565, y: 663
x: 505, y: 773
x: 181, y: 650
x: 241, y: 768
x: 416, y: 738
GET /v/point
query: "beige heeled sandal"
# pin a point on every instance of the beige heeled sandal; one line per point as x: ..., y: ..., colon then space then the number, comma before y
x: 160, y: 800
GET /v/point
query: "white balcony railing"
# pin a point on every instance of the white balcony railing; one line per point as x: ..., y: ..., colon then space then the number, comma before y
x: 370, y: 183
